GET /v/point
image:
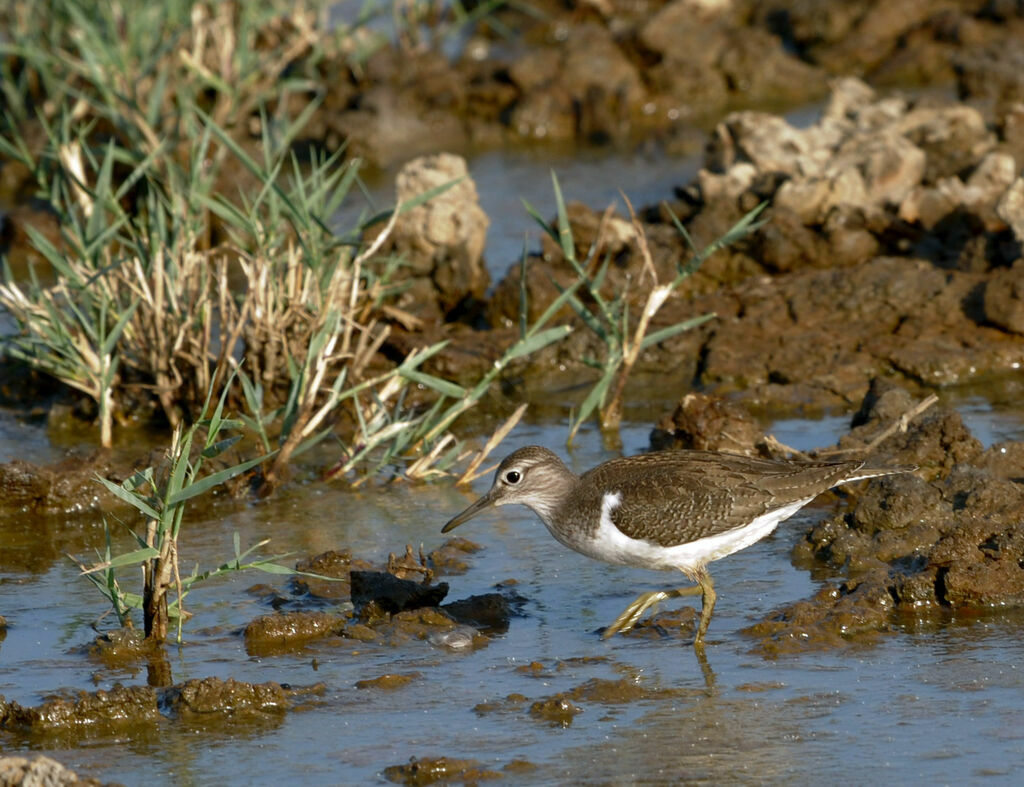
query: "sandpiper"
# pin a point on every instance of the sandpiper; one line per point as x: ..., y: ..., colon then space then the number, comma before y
x: 664, y: 510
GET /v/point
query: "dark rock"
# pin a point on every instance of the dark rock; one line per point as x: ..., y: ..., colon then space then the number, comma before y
x: 489, y: 612
x: 390, y: 595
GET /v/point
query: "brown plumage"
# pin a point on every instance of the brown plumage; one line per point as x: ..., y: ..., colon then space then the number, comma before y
x: 669, y: 509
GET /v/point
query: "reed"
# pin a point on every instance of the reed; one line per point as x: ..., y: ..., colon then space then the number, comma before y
x: 624, y: 336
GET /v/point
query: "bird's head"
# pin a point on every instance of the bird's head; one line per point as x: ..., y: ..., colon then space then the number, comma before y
x: 531, y: 476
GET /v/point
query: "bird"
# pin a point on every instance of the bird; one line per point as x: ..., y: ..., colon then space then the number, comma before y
x: 676, y: 509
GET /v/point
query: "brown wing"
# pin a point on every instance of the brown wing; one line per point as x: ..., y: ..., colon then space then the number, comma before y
x: 674, y: 497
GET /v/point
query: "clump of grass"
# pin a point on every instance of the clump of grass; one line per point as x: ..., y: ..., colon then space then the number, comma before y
x: 168, y: 281
x: 161, y: 495
x: 623, y: 337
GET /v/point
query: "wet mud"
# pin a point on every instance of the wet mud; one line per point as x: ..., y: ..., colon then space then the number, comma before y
x: 613, y: 71
x: 890, y: 246
x: 944, y: 541
x: 382, y: 607
x: 211, y: 702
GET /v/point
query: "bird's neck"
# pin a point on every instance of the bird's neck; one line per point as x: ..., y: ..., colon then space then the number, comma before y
x: 548, y: 504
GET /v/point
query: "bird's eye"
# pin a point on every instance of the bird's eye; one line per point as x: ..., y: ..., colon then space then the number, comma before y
x: 513, y: 476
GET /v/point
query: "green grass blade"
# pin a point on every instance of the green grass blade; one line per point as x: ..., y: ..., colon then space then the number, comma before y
x: 130, y: 498
x: 537, y: 341
x: 214, y: 479
x: 672, y: 330
x: 438, y: 384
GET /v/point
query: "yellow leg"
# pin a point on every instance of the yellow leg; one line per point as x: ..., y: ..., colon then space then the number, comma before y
x: 628, y: 619
x: 707, y: 605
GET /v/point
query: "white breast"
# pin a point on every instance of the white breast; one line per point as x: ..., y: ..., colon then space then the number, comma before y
x: 613, y: 546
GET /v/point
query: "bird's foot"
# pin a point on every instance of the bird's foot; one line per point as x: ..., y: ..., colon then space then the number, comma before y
x: 632, y: 614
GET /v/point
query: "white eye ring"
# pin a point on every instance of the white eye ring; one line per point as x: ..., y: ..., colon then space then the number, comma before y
x: 513, y: 477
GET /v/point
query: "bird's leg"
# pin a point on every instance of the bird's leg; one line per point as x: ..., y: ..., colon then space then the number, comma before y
x: 707, y: 604
x: 628, y: 619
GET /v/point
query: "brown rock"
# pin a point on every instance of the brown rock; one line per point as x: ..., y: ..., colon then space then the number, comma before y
x: 1004, y: 298
x: 41, y: 771
x: 441, y: 240
x: 707, y: 423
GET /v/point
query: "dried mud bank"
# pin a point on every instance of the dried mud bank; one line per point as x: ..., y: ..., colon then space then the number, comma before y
x: 891, y: 245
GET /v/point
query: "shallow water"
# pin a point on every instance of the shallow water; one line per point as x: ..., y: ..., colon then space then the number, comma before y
x: 936, y: 701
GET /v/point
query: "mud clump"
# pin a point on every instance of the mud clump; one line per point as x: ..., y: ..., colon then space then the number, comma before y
x: 121, y: 707
x: 388, y: 682
x: 441, y: 242
x: 412, y: 625
x: 283, y: 632
x: 557, y: 710
x: 67, y: 487
x: 391, y: 607
x: 40, y: 771
x: 450, y: 558
x: 912, y: 547
x: 335, y: 564
x: 708, y: 423
x: 620, y: 690
x: 137, y: 707
x: 434, y: 770
x: 124, y: 646
x: 197, y: 698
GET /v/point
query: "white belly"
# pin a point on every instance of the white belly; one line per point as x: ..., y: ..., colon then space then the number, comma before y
x: 613, y: 546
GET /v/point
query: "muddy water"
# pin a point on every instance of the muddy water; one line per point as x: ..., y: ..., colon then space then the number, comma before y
x: 941, y: 700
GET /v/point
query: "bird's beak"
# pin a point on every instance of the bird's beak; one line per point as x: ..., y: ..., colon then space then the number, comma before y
x: 484, y: 502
